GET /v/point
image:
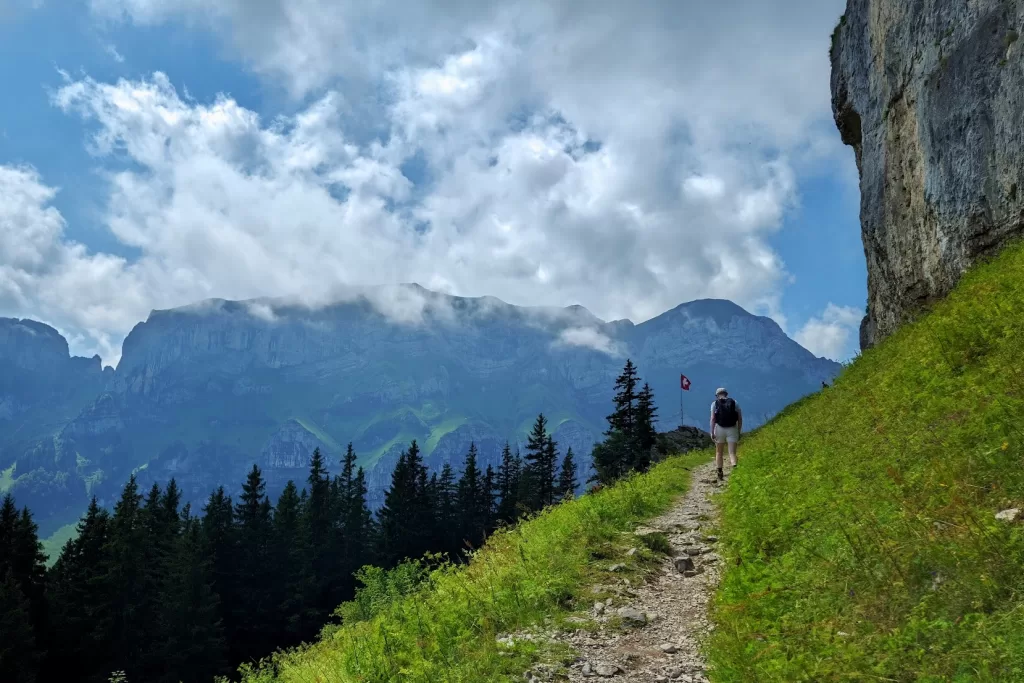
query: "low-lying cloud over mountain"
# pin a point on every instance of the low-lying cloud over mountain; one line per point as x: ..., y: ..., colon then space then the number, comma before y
x: 205, y: 390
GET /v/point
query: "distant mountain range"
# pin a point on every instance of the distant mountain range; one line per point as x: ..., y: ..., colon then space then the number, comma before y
x: 202, y: 392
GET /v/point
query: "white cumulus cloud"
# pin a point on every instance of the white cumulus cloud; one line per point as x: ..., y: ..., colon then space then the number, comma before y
x: 832, y: 334
x: 623, y: 157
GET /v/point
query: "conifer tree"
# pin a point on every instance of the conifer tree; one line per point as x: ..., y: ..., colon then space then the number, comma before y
x: 19, y: 657
x: 567, y: 477
x: 406, y: 520
x: 194, y: 648
x: 291, y: 561
x: 355, y: 524
x: 646, y: 435
x: 490, y: 504
x: 448, y: 511
x: 318, y: 524
x: 219, y: 537
x: 126, y: 581
x: 255, y: 582
x: 359, y: 525
x: 472, y: 503
x: 540, y: 466
x: 22, y: 597
x: 620, y: 450
x: 508, y: 486
x: 79, y: 600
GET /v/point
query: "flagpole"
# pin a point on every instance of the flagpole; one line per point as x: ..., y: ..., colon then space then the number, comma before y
x: 682, y: 415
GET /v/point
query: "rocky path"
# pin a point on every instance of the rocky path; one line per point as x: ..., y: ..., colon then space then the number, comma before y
x: 664, y: 619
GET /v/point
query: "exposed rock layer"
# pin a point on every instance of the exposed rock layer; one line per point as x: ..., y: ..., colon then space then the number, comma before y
x: 930, y: 94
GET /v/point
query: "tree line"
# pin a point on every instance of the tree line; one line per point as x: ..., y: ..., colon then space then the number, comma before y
x: 162, y: 594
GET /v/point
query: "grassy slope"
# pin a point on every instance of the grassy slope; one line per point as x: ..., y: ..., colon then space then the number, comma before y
x: 446, y: 629
x: 860, y: 530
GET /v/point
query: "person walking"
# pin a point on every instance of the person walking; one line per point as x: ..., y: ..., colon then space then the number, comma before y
x: 726, y: 425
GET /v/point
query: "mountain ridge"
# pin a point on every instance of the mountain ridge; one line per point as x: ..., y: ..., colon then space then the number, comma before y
x: 203, y: 391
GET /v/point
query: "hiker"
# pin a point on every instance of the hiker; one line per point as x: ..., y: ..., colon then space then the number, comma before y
x: 726, y: 425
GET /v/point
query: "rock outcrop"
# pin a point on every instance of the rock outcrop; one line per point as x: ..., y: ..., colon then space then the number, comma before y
x: 930, y: 95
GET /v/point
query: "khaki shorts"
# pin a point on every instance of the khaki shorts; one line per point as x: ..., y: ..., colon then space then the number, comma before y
x: 727, y: 434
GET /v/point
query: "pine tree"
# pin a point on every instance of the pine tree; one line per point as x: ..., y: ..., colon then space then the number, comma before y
x: 127, y: 581
x: 291, y: 561
x: 448, y: 512
x: 646, y: 434
x: 318, y: 523
x: 355, y: 525
x: 508, y: 486
x: 540, y: 467
x: 22, y: 597
x: 79, y: 600
x: 219, y: 539
x: 359, y: 525
x: 194, y: 649
x: 255, y: 582
x: 490, y: 497
x: 620, y: 450
x: 473, y: 526
x: 624, y: 417
x: 406, y: 519
x: 160, y: 526
x: 19, y: 658
x: 567, y: 477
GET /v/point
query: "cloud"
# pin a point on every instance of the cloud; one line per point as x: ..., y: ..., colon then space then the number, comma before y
x: 626, y: 158
x: 831, y: 334
x: 590, y: 338
x: 111, y: 50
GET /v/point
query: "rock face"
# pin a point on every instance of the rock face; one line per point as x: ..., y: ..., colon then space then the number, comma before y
x: 930, y: 95
x: 203, y: 392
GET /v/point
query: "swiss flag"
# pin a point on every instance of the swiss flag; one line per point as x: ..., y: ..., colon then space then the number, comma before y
x: 684, y: 382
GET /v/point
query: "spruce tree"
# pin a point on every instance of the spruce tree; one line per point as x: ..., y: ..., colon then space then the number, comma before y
x: 219, y: 539
x: 473, y: 526
x: 80, y: 600
x: 291, y: 562
x: 646, y: 434
x: 567, y: 477
x: 359, y: 525
x: 355, y: 525
x: 490, y: 497
x: 508, y: 486
x: 540, y: 466
x: 255, y: 583
x: 19, y: 656
x: 126, y: 581
x: 194, y: 649
x: 624, y: 417
x: 406, y: 519
x: 449, y: 513
x: 22, y: 597
x: 620, y: 450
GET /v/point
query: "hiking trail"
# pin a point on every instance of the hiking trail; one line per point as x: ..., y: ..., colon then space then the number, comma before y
x: 665, y: 619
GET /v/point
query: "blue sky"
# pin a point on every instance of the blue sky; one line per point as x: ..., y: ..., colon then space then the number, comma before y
x: 156, y: 152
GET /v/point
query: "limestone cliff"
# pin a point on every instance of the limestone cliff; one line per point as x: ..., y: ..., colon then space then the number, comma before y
x: 930, y: 94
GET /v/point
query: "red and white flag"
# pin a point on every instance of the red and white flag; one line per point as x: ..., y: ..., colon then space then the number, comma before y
x: 684, y: 382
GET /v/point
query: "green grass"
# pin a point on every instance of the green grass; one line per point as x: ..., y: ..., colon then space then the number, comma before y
x: 860, y: 532
x: 444, y: 625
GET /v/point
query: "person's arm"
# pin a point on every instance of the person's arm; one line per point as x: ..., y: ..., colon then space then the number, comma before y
x: 712, y: 421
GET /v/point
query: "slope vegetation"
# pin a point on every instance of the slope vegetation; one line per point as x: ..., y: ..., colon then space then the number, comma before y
x: 861, y: 531
x: 447, y: 624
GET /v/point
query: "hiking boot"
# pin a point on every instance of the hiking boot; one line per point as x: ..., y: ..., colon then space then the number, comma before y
x: 721, y: 475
